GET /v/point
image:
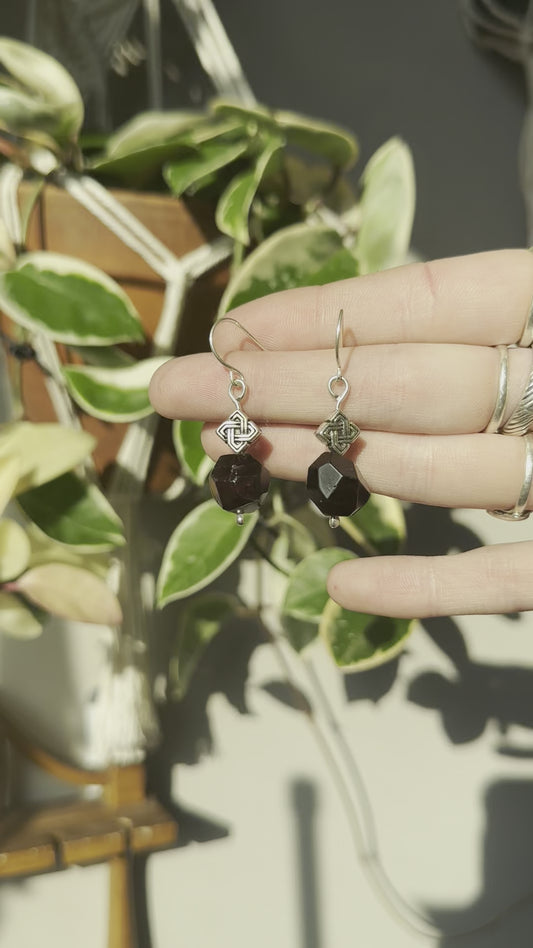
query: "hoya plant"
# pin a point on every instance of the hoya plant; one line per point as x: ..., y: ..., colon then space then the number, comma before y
x: 287, y: 213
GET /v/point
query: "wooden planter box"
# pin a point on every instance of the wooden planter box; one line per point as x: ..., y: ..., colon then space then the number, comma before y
x: 58, y: 223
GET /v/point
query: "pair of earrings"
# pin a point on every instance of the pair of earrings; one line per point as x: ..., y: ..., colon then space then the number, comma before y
x: 238, y: 481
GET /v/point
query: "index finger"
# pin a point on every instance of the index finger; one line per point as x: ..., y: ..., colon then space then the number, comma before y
x: 480, y: 299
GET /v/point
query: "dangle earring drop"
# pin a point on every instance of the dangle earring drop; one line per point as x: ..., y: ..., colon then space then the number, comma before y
x: 238, y: 482
x: 332, y: 481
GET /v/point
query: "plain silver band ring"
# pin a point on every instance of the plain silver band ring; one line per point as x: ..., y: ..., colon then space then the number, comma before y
x: 518, y: 423
x: 519, y: 512
x: 501, y: 398
x: 526, y: 339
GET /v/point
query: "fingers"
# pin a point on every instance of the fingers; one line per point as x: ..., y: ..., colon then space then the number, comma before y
x: 422, y: 388
x: 481, y: 299
x: 489, y: 580
x: 478, y: 471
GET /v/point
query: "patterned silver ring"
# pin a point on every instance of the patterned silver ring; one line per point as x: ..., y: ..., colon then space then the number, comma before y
x: 519, y: 512
x: 501, y: 398
x: 518, y: 423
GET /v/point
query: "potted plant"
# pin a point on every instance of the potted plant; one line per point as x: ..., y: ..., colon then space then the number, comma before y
x: 270, y: 190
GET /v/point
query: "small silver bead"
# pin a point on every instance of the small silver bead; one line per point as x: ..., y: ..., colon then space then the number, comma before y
x: 334, y: 522
x: 240, y: 518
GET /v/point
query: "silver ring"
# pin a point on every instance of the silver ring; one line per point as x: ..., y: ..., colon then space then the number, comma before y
x: 518, y: 423
x: 501, y: 398
x: 519, y: 512
x: 526, y: 339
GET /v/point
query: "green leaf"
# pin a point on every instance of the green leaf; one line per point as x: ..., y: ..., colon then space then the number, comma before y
x: 69, y: 300
x: 136, y: 152
x: 292, y: 543
x: 151, y: 128
x: 233, y: 208
x: 321, y: 138
x: 43, y: 451
x: 113, y: 394
x: 306, y: 593
x: 300, y: 633
x: 71, y: 593
x: 194, y: 462
x: 340, y: 266
x: 14, y: 550
x: 109, y: 357
x: 206, y: 542
x: 16, y: 619
x: 387, y: 207
x: 191, y: 169
x: 291, y: 257
x: 71, y: 511
x: 9, y: 477
x: 48, y: 90
x: 360, y: 641
x: 43, y: 550
x: 198, y: 625
x: 380, y: 522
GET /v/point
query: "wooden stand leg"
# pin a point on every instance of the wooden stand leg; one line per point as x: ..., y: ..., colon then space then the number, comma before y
x: 121, y: 919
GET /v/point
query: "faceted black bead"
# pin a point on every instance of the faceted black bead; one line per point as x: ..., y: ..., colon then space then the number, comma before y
x: 239, y: 482
x: 334, y: 487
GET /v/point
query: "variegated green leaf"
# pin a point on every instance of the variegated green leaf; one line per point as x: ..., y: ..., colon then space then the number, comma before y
x: 9, y: 478
x: 379, y: 524
x: 358, y: 641
x: 299, y: 632
x: 306, y: 593
x: 7, y: 250
x: 48, y: 89
x: 387, y: 207
x: 151, y: 128
x: 43, y: 451
x: 43, y: 550
x: 69, y: 300
x: 16, y: 619
x: 194, y: 462
x: 136, y: 152
x: 71, y: 511
x: 233, y: 208
x: 113, y: 394
x: 188, y: 171
x: 14, y: 550
x: 321, y: 138
x: 71, y: 593
x: 206, y: 542
x: 291, y: 257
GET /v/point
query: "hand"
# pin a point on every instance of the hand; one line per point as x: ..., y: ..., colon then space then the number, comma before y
x: 419, y: 355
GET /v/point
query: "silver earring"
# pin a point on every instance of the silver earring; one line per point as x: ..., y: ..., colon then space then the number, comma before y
x: 238, y: 482
x: 332, y: 481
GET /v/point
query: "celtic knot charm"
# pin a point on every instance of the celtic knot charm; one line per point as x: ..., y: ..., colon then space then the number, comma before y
x: 338, y: 432
x: 238, y: 431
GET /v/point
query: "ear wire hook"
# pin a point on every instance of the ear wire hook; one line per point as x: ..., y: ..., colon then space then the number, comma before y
x: 236, y: 377
x: 339, y: 377
x: 338, y: 341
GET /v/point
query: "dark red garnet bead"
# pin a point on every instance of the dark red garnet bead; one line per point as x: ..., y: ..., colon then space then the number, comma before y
x: 239, y: 483
x: 334, y: 487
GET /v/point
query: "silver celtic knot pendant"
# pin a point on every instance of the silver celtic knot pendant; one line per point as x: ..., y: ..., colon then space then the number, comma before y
x: 238, y: 431
x: 338, y: 432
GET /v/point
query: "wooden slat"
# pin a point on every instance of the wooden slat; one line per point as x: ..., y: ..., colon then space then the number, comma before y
x: 80, y: 833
